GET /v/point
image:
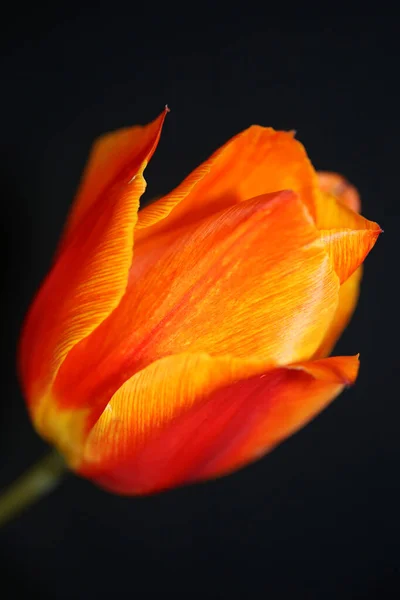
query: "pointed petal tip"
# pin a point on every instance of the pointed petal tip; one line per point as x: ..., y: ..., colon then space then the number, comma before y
x: 349, y: 246
x: 158, y: 122
x: 161, y: 118
x: 373, y: 233
x: 351, y: 373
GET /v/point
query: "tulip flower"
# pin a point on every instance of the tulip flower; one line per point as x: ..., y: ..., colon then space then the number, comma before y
x: 180, y: 342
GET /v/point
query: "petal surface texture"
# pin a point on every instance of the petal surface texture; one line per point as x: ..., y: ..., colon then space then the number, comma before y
x: 187, y: 418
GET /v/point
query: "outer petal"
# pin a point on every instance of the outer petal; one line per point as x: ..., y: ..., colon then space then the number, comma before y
x: 90, y: 275
x: 187, y: 418
x: 257, y: 161
x: 253, y: 280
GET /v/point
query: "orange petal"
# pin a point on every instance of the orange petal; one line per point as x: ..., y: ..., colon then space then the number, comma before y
x: 253, y: 280
x: 348, y: 237
x: 90, y: 274
x: 348, y: 296
x: 340, y: 188
x: 257, y: 161
x: 187, y: 418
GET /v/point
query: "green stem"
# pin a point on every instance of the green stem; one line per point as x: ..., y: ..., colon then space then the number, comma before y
x: 31, y: 486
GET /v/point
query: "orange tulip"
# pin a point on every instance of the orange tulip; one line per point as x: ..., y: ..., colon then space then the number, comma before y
x: 183, y: 341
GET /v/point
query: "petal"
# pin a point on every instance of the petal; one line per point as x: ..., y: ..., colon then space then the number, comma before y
x: 187, y: 418
x: 253, y: 280
x: 89, y: 276
x: 348, y: 237
x: 348, y: 296
x: 340, y: 188
x: 335, y: 185
x: 257, y: 161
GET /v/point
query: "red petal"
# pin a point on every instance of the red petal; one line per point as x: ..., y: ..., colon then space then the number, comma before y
x: 181, y: 420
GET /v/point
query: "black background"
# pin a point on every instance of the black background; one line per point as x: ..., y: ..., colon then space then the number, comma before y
x: 319, y: 517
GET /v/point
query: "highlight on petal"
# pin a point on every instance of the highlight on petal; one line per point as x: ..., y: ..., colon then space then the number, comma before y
x: 90, y: 274
x: 191, y: 417
x: 340, y: 188
x: 257, y: 161
x: 251, y: 281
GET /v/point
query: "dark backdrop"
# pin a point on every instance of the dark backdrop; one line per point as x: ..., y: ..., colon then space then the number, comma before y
x: 318, y: 518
